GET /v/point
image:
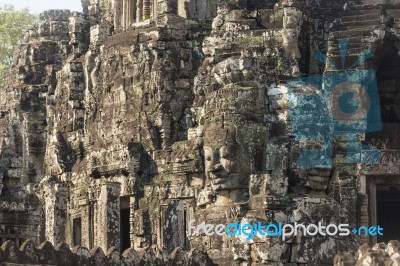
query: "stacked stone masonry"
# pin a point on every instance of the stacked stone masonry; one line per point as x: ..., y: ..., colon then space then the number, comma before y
x: 124, y: 122
x: 379, y: 254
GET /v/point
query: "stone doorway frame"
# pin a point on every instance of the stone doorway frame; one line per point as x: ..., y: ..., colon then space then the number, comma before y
x: 372, y: 181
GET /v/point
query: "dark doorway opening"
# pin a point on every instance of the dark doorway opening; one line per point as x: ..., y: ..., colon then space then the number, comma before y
x: 125, y: 227
x: 125, y: 230
x: 77, y: 231
x: 388, y: 212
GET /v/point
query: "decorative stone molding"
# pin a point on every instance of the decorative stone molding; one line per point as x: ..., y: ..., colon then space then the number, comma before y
x: 62, y: 255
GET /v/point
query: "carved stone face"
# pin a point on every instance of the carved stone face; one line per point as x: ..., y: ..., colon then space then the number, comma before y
x: 315, y: 179
x: 223, y: 158
x: 318, y: 179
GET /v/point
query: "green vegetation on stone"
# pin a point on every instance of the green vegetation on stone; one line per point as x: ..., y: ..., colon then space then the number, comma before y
x: 277, y: 16
x: 13, y: 23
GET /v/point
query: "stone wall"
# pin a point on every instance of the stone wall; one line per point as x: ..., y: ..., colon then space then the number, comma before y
x: 120, y: 133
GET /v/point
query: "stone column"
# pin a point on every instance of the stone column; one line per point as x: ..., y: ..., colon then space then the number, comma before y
x: 109, y: 216
x: 118, y: 14
x: 132, y: 10
x: 146, y: 9
x: 174, y: 227
x: 1, y: 182
x: 56, y: 198
x: 139, y: 10
x: 292, y: 21
x: 124, y: 14
x: 132, y: 207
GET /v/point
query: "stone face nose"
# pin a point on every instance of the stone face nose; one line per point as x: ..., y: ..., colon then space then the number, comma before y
x: 216, y: 167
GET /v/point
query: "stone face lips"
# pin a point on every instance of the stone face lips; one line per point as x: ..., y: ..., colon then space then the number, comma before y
x: 123, y: 123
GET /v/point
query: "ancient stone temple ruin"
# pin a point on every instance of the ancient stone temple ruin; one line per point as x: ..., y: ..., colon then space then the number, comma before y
x: 124, y: 123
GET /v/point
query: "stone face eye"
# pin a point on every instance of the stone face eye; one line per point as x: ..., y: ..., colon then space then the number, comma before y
x: 208, y: 158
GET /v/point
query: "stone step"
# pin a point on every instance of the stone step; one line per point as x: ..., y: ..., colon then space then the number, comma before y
x: 259, y: 32
x: 325, y: 11
x: 222, y: 56
x: 353, y: 41
x: 334, y: 47
x: 241, y: 24
x: 359, y: 17
x: 357, y: 24
x: 335, y: 51
x: 358, y: 12
x: 359, y: 28
x: 357, y: 32
x: 351, y: 46
x: 350, y: 60
x: 374, y: 6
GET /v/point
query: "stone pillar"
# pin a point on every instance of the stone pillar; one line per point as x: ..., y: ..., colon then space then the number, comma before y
x: 132, y: 207
x: 56, y: 198
x: 139, y: 10
x: 118, y: 14
x: 109, y: 216
x: 124, y: 14
x: 174, y: 227
x: 132, y: 12
x: 292, y: 21
x: 1, y: 182
x: 146, y: 9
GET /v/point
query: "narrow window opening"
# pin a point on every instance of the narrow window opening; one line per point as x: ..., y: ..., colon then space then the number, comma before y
x: 136, y: 11
x: 125, y: 224
x: 77, y: 231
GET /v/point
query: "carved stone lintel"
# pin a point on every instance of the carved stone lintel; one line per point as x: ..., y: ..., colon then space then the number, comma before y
x: 388, y: 164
